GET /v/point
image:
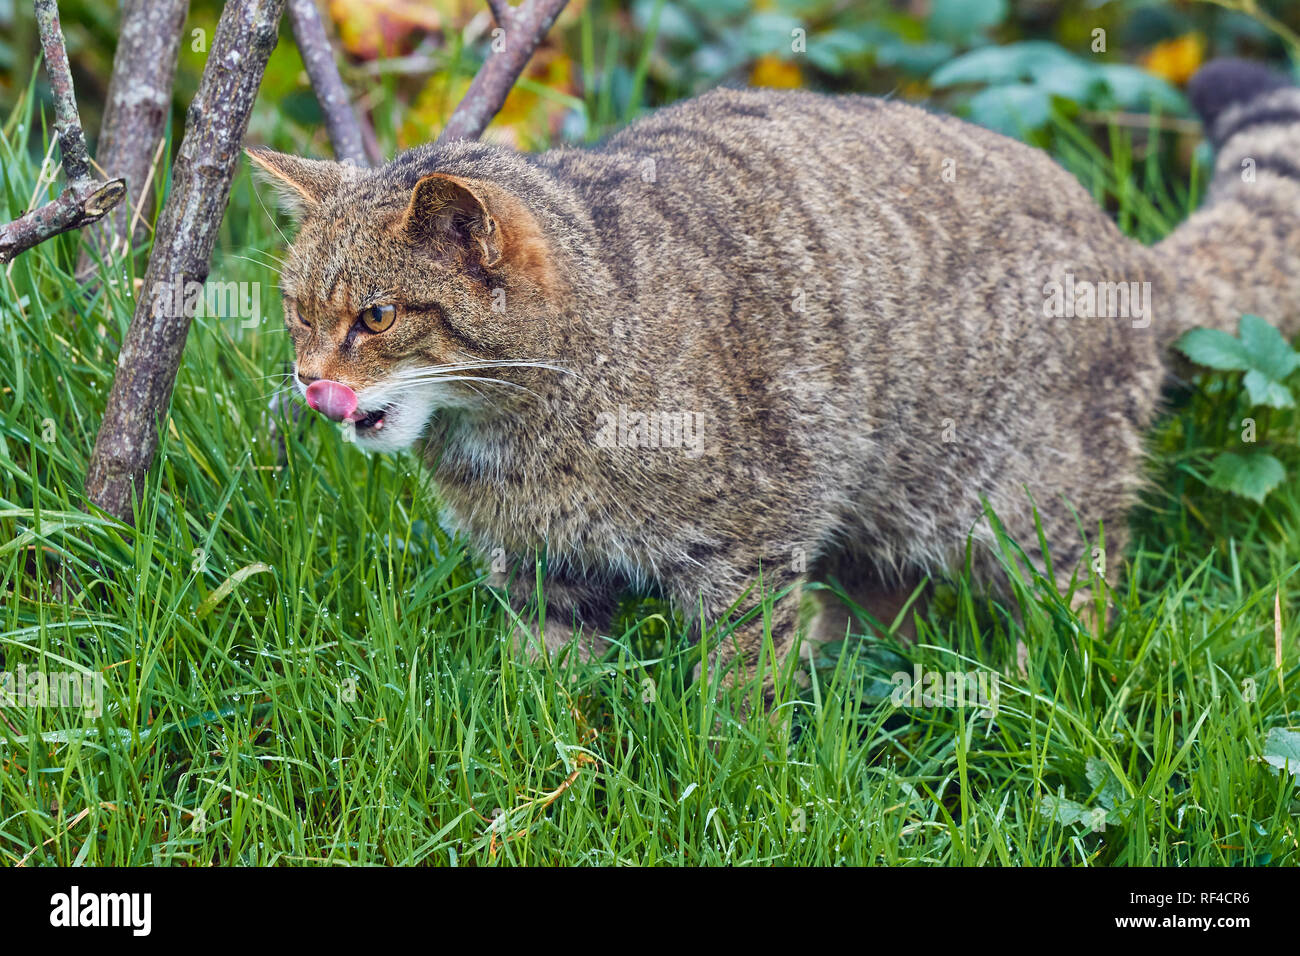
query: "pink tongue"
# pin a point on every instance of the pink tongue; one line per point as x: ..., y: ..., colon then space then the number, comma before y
x: 332, y: 399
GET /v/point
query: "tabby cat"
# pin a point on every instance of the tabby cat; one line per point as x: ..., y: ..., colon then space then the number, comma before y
x: 772, y: 337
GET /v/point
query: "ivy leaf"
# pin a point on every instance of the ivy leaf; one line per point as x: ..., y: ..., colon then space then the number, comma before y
x: 1250, y: 476
x: 1215, y: 349
x: 1282, y: 750
x: 1111, y: 791
x: 1264, y: 391
x: 1269, y: 351
x: 1067, y: 812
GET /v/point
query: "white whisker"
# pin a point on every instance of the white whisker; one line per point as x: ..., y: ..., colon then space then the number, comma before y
x: 407, y: 386
x: 274, y: 224
x: 428, y: 370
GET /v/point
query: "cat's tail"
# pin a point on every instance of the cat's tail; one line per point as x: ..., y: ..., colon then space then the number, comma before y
x: 1240, y: 252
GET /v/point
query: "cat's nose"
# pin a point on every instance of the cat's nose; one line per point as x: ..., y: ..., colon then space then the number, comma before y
x: 332, y: 399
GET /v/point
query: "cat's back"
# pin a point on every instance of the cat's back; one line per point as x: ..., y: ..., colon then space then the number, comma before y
x: 763, y: 186
x: 787, y: 148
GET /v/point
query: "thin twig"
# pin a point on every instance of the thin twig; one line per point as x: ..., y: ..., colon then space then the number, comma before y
x: 81, y: 815
x: 67, y: 123
x: 1147, y: 121
x: 85, y: 199
x: 527, y: 26
x: 136, y: 111
x: 318, y: 57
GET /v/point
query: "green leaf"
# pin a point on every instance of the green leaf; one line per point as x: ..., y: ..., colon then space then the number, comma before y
x: 1214, y: 349
x: 914, y: 58
x: 1264, y: 391
x: 769, y: 33
x: 1067, y: 812
x: 1073, y: 80
x: 1282, y: 750
x: 834, y: 50
x: 1033, y: 60
x: 1250, y: 476
x: 1269, y: 351
x: 1133, y: 88
x: 1012, y: 109
x: 1110, y: 791
x: 964, y: 20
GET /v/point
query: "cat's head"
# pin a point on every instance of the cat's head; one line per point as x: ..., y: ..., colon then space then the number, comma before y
x: 407, y: 294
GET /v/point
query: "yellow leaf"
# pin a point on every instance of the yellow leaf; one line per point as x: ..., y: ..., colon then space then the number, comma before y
x: 372, y: 28
x: 1177, y: 59
x: 775, y: 72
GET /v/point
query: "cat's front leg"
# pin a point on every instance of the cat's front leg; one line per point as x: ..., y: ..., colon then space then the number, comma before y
x: 564, y: 607
x: 740, y: 655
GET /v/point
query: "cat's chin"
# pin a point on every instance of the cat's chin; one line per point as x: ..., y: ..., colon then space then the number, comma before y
x: 388, y: 420
x: 400, y: 427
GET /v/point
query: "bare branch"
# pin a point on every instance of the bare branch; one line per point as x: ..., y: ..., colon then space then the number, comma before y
x: 187, y: 231
x: 318, y: 58
x: 526, y: 28
x: 67, y: 123
x: 139, y: 101
x: 79, y: 205
x: 501, y: 12
x: 85, y: 200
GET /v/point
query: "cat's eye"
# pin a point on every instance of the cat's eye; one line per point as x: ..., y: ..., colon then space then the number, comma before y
x: 291, y: 308
x: 378, y: 318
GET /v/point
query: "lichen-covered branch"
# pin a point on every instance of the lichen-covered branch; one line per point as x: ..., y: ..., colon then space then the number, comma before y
x: 318, y: 58
x: 139, y: 99
x: 67, y: 122
x: 525, y: 27
x: 186, y: 233
x: 79, y: 205
x: 85, y: 199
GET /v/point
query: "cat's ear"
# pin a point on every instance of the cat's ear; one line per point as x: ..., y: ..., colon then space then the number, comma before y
x: 481, y: 222
x: 300, y: 184
x: 448, y: 210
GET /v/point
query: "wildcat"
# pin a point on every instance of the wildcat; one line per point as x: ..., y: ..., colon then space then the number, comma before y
x: 772, y: 336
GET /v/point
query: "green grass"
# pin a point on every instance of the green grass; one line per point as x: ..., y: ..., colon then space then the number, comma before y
x: 301, y: 667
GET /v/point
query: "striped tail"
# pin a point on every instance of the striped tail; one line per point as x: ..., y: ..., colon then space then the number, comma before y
x: 1241, y: 251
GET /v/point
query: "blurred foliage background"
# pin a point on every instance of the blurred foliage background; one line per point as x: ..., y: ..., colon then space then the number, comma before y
x: 1007, y: 64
